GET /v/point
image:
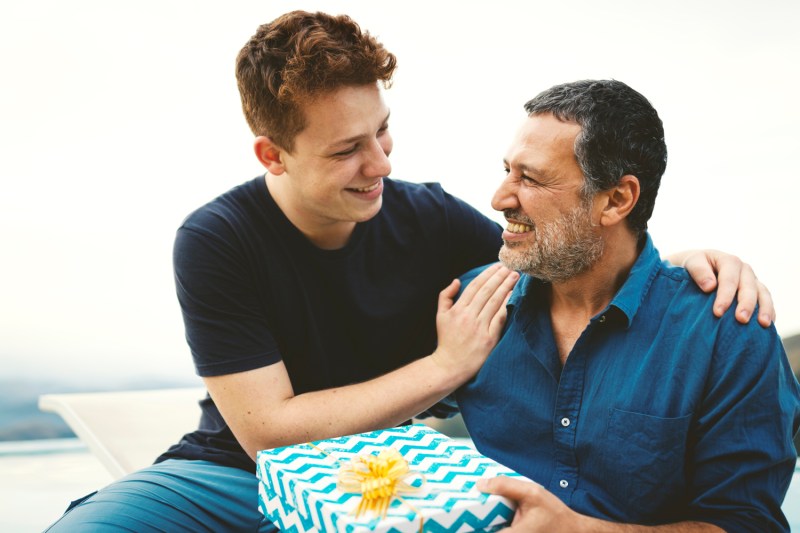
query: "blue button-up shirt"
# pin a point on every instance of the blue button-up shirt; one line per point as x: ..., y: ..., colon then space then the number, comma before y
x: 661, y: 413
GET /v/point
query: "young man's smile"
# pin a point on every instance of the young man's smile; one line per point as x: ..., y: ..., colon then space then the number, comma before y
x: 369, y: 192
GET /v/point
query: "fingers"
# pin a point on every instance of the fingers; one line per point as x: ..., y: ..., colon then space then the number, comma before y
x: 729, y: 269
x: 701, y: 268
x: 500, y: 315
x: 749, y: 292
x: 447, y: 295
x: 493, y: 296
x: 747, y: 295
x: 488, y: 298
x: 513, y: 489
x: 735, y: 279
x: 766, y: 308
x: 469, y: 328
x: 478, y: 283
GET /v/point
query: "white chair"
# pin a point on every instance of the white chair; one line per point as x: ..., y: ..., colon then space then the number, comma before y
x: 127, y: 430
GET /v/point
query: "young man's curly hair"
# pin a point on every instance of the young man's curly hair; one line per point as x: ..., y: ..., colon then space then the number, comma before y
x: 297, y: 57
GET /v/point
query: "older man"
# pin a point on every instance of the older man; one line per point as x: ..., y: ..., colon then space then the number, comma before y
x: 613, y: 385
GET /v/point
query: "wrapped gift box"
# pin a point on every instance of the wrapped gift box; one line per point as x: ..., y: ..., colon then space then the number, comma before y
x: 298, y: 485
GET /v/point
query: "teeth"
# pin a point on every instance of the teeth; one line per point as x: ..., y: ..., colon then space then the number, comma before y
x: 367, y: 189
x: 513, y: 227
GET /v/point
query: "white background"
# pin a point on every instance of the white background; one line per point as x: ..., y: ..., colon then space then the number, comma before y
x: 119, y: 118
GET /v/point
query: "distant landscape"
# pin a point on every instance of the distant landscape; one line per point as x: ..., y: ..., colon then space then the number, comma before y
x: 21, y: 419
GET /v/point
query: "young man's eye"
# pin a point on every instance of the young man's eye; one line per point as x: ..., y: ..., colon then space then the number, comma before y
x: 346, y: 152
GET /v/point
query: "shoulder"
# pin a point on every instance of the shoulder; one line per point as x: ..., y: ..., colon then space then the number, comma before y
x: 229, y: 207
x: 414, y: 196
x: 223, y: 225
x: 674, y: 284
x: 437, y: 210
x: 428, y: 196
x: 690, y: 307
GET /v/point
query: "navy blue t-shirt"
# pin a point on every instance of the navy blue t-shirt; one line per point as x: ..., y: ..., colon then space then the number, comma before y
x: 254, y: 291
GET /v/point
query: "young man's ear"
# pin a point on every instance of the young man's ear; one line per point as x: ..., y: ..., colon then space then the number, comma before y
x: 269, y: 154
x: 620, y: 200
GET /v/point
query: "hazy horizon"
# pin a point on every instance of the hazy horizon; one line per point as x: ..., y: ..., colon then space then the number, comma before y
x: 118, y: 119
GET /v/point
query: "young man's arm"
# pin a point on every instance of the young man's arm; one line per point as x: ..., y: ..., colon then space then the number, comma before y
x: 263, y: 412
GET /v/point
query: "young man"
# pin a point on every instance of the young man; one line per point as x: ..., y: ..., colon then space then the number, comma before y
x: 627, y: 400
x: 309, y: 294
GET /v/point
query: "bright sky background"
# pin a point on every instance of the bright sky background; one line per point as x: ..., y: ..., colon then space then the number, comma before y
x: 119, y: 118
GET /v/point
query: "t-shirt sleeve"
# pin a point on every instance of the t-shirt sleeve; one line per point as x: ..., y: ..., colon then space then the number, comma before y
x: 226, y: 327
x: 475, y: 240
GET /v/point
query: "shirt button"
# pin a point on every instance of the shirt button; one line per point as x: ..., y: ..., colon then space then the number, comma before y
x: 602, y: 318
x: 563, y: 483
x: 565, y: 422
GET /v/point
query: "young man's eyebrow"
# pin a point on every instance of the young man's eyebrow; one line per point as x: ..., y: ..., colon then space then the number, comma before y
x: 355, y: 138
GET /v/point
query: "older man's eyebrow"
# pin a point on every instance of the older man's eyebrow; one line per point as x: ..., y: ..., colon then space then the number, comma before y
x: 528, y: 170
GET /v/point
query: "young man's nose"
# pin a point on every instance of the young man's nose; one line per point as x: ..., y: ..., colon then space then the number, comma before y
x: 377, y: 164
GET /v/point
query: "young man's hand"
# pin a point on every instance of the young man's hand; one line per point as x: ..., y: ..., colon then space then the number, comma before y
x: 712, y: 269
x: 469, y: 328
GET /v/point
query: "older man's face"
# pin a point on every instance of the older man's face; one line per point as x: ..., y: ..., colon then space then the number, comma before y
x: 550, y: 234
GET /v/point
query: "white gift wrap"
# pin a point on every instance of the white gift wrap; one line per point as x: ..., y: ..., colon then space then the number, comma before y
x: 297, y: 488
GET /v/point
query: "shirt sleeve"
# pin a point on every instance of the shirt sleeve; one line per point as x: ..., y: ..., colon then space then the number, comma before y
x: 225, y: 324
x: 743, y: 454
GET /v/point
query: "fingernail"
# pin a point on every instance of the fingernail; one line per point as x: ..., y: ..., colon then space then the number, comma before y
x: 707, y: 284
x: 482, y: 485
x: 719, y: 309
x: 744, y: 314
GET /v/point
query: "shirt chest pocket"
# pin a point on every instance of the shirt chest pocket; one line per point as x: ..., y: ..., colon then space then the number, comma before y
x: 646, y: 458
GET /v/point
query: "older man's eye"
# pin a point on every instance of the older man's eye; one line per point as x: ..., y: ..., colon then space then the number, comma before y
x: 529, y: 181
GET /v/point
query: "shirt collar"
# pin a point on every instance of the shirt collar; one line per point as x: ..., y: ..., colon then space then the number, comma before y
x: 629, y: 297
x: 525, y: 290
x: 626, y: 301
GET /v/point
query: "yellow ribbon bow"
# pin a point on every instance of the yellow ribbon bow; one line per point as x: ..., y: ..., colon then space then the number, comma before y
x: 379, y: 479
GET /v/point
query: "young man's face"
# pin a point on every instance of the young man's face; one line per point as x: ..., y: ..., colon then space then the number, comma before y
x: 334, y: 176
x: 550, y: 234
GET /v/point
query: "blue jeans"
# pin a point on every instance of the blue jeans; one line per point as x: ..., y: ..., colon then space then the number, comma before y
x: 172, y: 496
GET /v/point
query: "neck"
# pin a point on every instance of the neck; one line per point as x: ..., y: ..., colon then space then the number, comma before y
x: 323, y: 233
x: 582, y: 297
x: 574, y: 302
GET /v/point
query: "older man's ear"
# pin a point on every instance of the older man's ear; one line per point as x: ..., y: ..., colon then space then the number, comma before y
x: 616, y: 204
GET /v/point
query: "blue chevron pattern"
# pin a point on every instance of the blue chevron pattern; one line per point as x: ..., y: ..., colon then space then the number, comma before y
x: 298, y: 492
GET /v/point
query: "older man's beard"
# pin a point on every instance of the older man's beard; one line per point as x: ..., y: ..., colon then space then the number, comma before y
x: 560, y: 250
